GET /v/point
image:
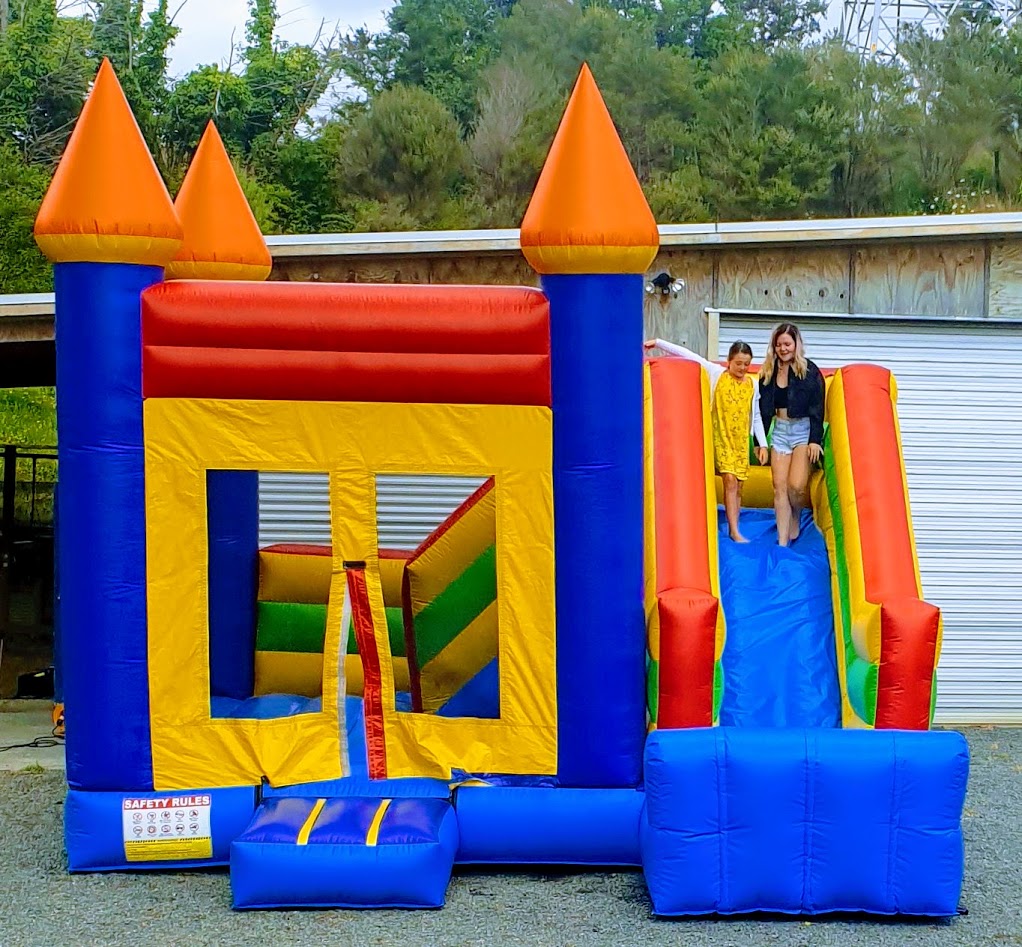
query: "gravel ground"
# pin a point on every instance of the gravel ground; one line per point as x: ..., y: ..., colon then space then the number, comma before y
x: 42, y: 906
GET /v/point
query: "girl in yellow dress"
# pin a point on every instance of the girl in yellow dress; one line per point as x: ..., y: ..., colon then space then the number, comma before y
x: 734, y: 399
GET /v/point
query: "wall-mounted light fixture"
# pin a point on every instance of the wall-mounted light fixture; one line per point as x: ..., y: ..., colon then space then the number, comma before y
x: 663, y: 284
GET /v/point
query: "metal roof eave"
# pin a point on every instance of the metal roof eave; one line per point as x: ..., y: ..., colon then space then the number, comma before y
x: 695, y: 236
x: 748, y: 233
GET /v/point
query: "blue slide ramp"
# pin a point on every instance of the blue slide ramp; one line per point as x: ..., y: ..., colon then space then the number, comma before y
x: 780, y: 661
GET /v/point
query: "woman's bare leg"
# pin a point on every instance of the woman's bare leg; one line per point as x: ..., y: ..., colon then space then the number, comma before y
x: 779, y: 465
x: 733, y: 505
x: 798, y: 478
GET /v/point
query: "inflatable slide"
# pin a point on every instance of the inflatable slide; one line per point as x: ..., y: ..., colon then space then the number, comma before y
x: 831, y: 631
x: 814, y: 662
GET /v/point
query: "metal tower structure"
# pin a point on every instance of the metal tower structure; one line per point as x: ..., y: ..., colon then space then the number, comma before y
x: 874, y: 26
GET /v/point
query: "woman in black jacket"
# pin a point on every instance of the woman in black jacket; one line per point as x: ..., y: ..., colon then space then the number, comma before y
x: 791, y: 398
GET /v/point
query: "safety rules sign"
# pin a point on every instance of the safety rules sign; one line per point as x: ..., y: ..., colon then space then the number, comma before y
x: 172, y: 828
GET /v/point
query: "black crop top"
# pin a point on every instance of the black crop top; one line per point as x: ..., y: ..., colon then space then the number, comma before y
x: 781, y: 399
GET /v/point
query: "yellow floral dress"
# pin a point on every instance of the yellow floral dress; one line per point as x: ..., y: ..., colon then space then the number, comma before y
x: 732, y: 418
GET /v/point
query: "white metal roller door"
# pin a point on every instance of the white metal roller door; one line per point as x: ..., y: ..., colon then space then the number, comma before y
x: 960, y: 409
x: 295, y: 507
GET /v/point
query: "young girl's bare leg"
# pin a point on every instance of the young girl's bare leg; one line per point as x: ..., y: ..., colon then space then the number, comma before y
x: 798, y: 478
x: 733, y: 505
x: 779, y: 468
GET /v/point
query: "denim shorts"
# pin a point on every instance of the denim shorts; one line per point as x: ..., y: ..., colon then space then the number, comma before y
x: 790, y: 434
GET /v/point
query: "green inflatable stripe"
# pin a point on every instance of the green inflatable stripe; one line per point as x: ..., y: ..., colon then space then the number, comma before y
x: 395, y: 631
x: 290, y: 626
x: 454, y: 609
x: 842, y: 570
x: 294, y: 627
x: 872, y: 683
x: 862, y: 688
x: 718, y: 689
x: 652, y: 687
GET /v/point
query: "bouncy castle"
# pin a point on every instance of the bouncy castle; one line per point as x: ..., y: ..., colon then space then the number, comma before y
x: 572, y: 668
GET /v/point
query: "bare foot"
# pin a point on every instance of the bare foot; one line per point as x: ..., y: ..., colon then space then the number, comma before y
x: 738, y: 538
x: 795, y: 531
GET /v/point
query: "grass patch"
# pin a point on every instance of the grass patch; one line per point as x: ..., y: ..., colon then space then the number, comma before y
x: 28, y: 419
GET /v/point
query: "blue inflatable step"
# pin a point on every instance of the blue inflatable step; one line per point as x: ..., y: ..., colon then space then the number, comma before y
x: 804, y: 821
x: 537, y: 825
x: 353, y: 852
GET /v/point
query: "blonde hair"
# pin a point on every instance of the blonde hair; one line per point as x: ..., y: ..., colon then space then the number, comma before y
x: 799, y: 364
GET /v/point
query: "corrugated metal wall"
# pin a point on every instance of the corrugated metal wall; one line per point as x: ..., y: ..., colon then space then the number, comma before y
x: 960, y: 408
x: 295, y: 507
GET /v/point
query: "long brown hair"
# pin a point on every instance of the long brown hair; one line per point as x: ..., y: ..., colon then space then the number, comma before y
x: 799, y: 364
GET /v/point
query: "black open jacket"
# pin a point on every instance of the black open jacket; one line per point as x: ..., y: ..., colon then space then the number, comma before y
x: 805, y: 400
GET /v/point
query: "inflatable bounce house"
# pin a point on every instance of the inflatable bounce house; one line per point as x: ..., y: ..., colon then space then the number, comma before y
x: 570, y: 669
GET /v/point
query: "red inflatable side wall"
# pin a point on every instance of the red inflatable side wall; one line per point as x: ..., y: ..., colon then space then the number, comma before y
x: 687, y: 607
x: 909, y: 627
x: 340, y: 342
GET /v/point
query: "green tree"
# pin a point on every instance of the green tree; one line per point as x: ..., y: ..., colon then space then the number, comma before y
x: 519, y: 107
x: 654, y: 98
x: 405, y: 151
x: 443, y: 46
x: 708, y: 28
x: 877, y: 115
x: 263, y: 113
x: 440, y: 45
x: 967, y: 98
x: 268, y: 199
x: 285, y: 80
x: 138, y: 46
x: 44, y: 75
x: 208, y: 92
x: 701, y: 26
x: 23, y: 269
x: 774, y: 23
x: 265, y: 101
x: 676, y: 197
x: 769, y: 136
x: 47, y: 62
x: 651, y: 92
x: 368, y: 60
x: 301, y: 166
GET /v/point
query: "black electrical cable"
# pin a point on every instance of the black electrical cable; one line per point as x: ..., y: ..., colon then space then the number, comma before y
x: 39, y: 743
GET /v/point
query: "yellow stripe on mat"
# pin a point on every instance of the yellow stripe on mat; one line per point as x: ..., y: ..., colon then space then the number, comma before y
x: 310, y: 822
x: 373, y: 835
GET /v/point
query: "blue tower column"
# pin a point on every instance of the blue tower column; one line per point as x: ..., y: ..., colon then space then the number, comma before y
x: 102, y: 535
x: 596, y: 366
x: 58, y: 660
x: 232, y: 528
